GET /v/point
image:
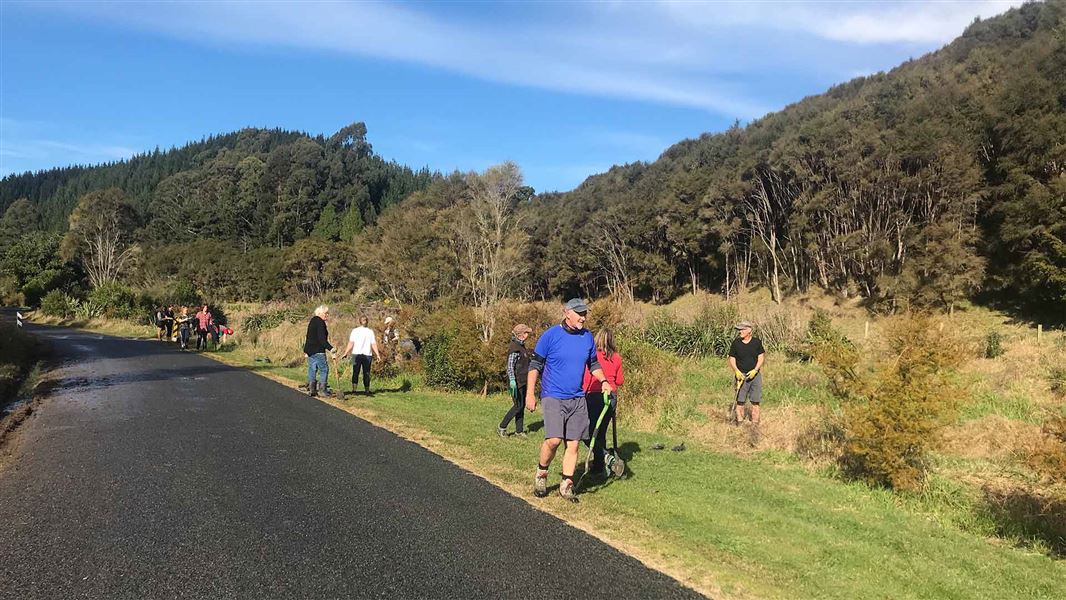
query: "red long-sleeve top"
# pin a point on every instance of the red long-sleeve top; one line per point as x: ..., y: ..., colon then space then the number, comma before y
x: 612, y: 370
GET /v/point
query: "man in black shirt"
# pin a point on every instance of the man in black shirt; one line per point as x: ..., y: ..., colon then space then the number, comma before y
x: 746, y: 357
x: 315, y: 348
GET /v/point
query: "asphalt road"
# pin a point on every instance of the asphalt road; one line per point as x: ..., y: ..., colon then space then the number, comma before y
x: 151, y: 473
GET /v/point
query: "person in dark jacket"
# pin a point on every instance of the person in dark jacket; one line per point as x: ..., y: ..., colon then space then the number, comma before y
x: 517, y: 372
x: 315, y: 348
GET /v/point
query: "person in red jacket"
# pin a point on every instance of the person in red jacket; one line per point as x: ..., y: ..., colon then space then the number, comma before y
x: 611, y: 363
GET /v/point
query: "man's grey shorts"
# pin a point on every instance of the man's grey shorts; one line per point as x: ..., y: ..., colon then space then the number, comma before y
x: 567, y: 419
x: 751, y: 390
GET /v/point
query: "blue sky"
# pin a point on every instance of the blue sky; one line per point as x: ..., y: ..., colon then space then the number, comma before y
x: 565, y: 89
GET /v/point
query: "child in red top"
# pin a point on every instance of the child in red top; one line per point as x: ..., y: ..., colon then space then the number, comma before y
x: 611, y: 363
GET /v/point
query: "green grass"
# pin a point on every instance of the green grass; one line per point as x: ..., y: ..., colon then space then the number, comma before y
x: 1009, y: 405
x: 735, y: 527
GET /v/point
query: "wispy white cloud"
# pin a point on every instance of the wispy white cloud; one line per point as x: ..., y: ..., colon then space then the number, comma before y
x: 27, y: 144
x: 681, y: 53
x: 860, y: 22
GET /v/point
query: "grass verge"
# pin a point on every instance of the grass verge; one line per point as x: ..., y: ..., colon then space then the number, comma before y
x: 729, y: 526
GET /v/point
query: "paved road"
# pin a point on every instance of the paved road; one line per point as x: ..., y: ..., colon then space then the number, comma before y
x: 150, y: 473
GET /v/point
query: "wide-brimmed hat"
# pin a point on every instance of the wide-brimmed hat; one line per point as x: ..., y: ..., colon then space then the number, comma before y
x: 744, y: 325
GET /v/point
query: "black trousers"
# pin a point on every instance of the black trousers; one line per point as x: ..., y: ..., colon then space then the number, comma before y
x: 361, y: 361
x: 201, y: 339
x: 595, y: 405
x: 517, y: 411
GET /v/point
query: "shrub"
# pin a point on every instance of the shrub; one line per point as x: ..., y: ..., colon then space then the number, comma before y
x: 257, y: 322
x: 834, y: 352
x: 650, y: 374
x: 892, y: 422
x: 58, y: 303
x: 453, y: 355
x: 117, y: 301
x: 779, y: 332
x: 1057, y: 380
x: 1049, y: 458
x: 993, y: 344
x: 709, y: 334
x: 87, y: 309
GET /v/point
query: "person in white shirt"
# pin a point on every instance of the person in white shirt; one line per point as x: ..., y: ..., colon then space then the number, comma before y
x: 363, y: 347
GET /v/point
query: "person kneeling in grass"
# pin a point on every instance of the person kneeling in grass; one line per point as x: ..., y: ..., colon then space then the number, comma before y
x: 561, y: 356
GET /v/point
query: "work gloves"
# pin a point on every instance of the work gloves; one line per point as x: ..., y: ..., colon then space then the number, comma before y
x: 738, y: 375
x: 751, y: 374
x: 514, y: 388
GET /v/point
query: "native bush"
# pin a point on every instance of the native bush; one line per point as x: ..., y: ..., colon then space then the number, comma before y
x: 453, y: 354
x: 257, y: 322
x: 117, y: 301
x: 892, y: 420
x: 58, y: 303
x: 993, y: 344
x: 709, y: 334
x: 835, y: 353
x: 87, y: 309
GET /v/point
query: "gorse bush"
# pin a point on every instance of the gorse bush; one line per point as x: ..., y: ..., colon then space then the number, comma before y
x: 892, y: 421
x: 993, y: 344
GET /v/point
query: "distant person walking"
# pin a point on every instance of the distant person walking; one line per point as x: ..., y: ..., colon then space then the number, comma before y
x: 611, y: 363
x: 203, y: 325
x: 160, y: 323
x: 746, y: 357
x: 363, y: 346
x: 517, y: 374
x: 184, y: 327
x: 561, y: 356
x: 168, y: 322
x: 316, y: 345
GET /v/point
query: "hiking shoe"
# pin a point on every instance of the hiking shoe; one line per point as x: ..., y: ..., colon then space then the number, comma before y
x: 540, y: 485
x: 566, y: 491
x: 500, y: 431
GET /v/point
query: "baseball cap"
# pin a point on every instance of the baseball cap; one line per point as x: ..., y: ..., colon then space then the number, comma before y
x: 744, y: 325
x: 577, y: 305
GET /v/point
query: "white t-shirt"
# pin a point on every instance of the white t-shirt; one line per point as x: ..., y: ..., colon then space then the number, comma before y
x: 361, y: 339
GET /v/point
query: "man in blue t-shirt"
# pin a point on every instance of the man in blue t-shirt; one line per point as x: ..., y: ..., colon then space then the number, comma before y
x: 561, y: 355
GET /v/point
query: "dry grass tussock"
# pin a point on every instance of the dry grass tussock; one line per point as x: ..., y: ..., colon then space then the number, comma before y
x: 993, y: 437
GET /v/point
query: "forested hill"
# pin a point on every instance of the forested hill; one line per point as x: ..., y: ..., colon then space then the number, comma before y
x: 256, y: 187
x: 939, y: 181
x: 942, y: 179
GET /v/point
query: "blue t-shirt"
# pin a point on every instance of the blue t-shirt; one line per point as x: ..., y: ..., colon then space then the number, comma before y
x: 565, y: 354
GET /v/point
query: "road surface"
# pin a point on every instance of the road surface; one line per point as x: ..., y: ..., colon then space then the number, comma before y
x: 152, y: 473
